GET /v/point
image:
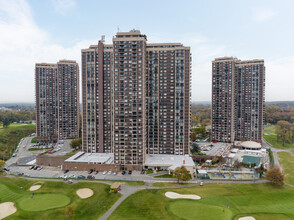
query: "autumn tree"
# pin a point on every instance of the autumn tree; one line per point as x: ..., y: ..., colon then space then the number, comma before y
x: 76, y: 143
x: 275, y: 176
x: 283, y: 131
x: 181, y: 174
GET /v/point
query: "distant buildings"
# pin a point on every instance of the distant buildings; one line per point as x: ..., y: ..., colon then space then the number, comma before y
x: 136, y: 98
x: 57, y: 100
x: 237, y: 99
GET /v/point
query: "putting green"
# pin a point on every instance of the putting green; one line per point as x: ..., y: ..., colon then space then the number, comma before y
x: 42, y: 202
x: 187, y: 209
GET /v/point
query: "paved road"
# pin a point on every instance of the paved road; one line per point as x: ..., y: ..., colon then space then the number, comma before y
x: 275, y: 151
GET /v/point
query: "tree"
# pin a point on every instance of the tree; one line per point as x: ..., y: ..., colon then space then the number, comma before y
x: 283, y: 131
x: 182, y: 174
x: 2, y: 164
x: 275, y: 176
x: 76, y: 143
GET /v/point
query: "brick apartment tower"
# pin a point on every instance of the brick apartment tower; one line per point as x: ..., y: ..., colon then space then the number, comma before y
x: 57, y: 100
x: 237, y: 99
x: 136, y: 98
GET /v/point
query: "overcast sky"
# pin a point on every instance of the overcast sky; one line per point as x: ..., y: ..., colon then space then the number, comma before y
x: 49, y: 30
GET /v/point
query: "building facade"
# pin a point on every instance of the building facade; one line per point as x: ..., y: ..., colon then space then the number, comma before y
x: 57, y: 101
x: 237, y: 99
x: 136, y: 98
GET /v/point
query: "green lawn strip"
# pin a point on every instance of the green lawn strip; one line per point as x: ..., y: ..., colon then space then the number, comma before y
x: 287, y: 162
x: 168, y: 184
x: 240, y: 198
x: 269, y: 134
x: 60, y: 192
x: 34, y: 140
x: 149, y: 171
x: 164, y: 176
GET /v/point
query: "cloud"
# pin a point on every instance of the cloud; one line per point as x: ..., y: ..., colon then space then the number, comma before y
x: 263, y: 14
x: 63, y: 6
x: 22, y: 44
x: 279, y: 78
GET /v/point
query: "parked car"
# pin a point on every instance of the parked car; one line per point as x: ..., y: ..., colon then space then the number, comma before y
x: 109, y: 172
x: 72, y: 176
x: 90, y: 177
x: 81, y: 177
x: 63, y: 176
x: 143, y: 172
x: 6, y: 169
x: 36, y: 167
x: 32, y: 167
x: 123, y: 172
x: 40, y: 168
x: 130, y: 172
x: 66, y: 171
x: 104, y: 172
x: 96, y: 172
x: 90, y: 171
x: 13, y: 155
x: 114, y: 173
x: 20, y: 174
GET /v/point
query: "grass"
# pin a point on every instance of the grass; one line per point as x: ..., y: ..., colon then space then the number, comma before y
x: 42, y: 202
x: 35, y: 149
x: 50, y: 201
x: 34, y: 140
x: 269, y: 134
x: 287, y: 162
x: 149, y: 171
x: 261, y: 200
x: 11, y: 136
x: 164, y: 176
x: 167, y: 184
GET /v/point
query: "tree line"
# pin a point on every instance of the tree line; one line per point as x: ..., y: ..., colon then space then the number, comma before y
x: 8, y: 117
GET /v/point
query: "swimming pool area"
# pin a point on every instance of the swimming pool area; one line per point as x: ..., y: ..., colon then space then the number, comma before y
x: 228, y: 175
x: 251, y: 160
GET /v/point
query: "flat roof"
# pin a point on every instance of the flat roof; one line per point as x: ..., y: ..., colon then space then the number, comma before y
x: 100, y: 158
x: 168, y: 160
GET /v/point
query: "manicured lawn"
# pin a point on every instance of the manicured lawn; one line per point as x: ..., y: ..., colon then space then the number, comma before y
x: 261, y: 200
x: 34, y: 140
x: 149, y: 171
x: 42, y: 202
x: 287, y: 162
x: 167, y: 184
x: 269, y: 134
x: 164, y: 176
x: 51, y: 200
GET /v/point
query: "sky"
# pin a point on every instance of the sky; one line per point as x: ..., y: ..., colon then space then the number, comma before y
x: 33, y: 31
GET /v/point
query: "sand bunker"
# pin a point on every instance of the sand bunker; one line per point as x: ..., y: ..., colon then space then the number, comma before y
x: 85, y: 193
x: 6, y: 209
x: 247, y: 218
x: 173, y: 195
x: 35, y: 187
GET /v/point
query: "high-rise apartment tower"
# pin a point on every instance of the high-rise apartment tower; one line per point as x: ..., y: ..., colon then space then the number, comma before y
x: 57, y: 100
x: 136, y: 98
x: 237, y: 99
